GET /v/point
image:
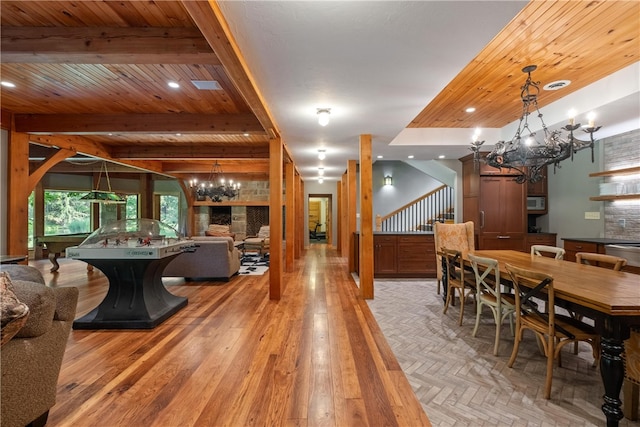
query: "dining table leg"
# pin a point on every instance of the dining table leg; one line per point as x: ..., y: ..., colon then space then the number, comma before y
x: 612, y: 369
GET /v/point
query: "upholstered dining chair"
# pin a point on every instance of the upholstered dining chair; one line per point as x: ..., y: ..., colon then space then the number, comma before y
x: 457, y: 279
x: 542, y: 250
x: 489, y: 293
x: 453, y: 236
x: 553, y: 330
x: 602, y: 260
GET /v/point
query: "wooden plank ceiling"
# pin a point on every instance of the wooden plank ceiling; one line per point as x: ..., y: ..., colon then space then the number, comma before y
x: 93, y: 76
x: 580, y: 41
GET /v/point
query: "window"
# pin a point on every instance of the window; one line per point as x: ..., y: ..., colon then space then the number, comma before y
x: 170, y: 210
x: 65, y: 213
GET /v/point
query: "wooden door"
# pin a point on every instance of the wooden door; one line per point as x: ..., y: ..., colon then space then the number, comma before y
x: 314, y: 214
x: 503, y: 219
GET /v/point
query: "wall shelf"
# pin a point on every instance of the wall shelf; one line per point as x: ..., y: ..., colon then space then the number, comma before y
x: 614, y: 197
x: 626, y: 171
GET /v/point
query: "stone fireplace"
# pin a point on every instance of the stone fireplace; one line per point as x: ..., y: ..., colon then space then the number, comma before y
x: 244, y: 220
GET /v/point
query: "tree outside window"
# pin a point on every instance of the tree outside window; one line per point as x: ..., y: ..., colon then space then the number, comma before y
x: 170, y: 210
x: 65, y: 213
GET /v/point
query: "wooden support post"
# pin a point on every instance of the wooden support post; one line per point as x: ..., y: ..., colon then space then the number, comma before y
x: 299, y: 215
x: 340, y: 225
x: 352, y: 211
x: 290, y: 216
x: 366, y: 218
x: 275, y: 218
x: 344, y: 218
x: 18, y: 197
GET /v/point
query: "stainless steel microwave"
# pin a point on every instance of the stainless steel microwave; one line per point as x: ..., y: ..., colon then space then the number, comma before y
x: 536, y: 204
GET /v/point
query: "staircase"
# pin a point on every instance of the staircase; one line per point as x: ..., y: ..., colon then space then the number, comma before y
x: 421, y: 213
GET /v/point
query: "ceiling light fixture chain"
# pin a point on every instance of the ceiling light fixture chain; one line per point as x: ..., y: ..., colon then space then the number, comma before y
x: 215, y: 187
x: 99, y: 196
x: 524, y: 152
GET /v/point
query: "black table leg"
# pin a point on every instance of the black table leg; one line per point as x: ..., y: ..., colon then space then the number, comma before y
x: 612, y: 369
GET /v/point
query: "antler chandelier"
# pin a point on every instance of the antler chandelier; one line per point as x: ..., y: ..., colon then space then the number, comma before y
x: 215, y: 187
x: 524, y: 152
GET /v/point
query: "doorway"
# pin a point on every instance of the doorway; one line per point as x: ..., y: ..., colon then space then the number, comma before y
x: 319, y: 219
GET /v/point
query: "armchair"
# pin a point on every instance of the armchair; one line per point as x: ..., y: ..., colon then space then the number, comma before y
x: 31, y: 359
x: 453, y: 236
x: 259, y: 243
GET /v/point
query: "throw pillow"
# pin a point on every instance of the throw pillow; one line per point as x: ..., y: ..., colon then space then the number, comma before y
x: 13, y: 313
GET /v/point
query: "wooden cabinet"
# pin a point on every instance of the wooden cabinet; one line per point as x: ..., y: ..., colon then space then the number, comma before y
x: 572, y: 247
x: 503, y: 216
x: 547, y: 239
x: 538, y: 188
x: 496, y: 204
x: 416, y: 255
x: 385, y: 255
x: 402, y: 255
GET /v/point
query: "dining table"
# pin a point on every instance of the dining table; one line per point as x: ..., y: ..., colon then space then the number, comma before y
x: 610, y: 298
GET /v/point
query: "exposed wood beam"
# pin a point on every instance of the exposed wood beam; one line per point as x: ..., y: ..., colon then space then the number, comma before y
x: 47, y: 164
x: 85, y: 124
x: 105, y: 45
x: 211, y: 22
x: 193, y: 152
x: 228, y: 166
x: 91, y: 148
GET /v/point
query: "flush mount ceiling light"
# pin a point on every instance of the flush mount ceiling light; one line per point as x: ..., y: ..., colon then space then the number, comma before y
x: 320, y: 180
x: 524, y: 152
x: 320, y: 171
x: 322, y: 154
x: 323, y: 116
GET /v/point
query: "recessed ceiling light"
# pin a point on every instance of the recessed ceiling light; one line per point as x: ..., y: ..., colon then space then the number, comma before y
x: 7, y: 84
x: 470, y: 109
x: 245, y: 134
x: 178, y: 134
x: 206, y: 84
x: 173, y: 85
x: 322, y: 154
x: 380, y: 156
x: 410, y: 156
x: 441, y: 156
x: 320, y: 180
x: 558, y: 84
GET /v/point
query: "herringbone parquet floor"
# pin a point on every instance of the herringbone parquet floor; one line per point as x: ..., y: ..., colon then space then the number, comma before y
x: 461, y: 383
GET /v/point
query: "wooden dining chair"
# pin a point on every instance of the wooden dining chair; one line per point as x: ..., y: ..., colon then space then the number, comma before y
x: 457, y: 280
x: 489, y: 293
x: 553, y: 330
x: 542, y: 250
x: 601, y: 260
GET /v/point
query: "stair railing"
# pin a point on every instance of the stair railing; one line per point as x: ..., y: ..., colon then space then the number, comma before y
x: 421, y: 213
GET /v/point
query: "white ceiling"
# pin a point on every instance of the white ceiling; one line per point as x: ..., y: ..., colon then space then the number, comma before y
x: 376, y: 64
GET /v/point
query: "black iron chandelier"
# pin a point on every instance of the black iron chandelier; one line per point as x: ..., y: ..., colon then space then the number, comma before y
x: 215, y: 187
x: 524, y: 152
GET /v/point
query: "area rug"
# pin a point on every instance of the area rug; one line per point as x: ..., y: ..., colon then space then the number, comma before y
x: 254, y: 265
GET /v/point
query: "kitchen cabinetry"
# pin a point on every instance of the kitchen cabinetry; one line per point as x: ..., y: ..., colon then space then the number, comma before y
x: 538, y: 188
x: 547, y: 239
x: 401, y: 255
x: 631, y: 193
x: 496, y: 204
x: 385, y: 256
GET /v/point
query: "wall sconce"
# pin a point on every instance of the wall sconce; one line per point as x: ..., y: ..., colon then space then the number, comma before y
x: 323, y: 116
x: 322, y: 154
x: 388, y: 180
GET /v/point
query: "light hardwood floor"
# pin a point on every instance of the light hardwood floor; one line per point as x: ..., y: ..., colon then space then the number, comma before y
x: 232, y: 357
x: 317, y: 357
